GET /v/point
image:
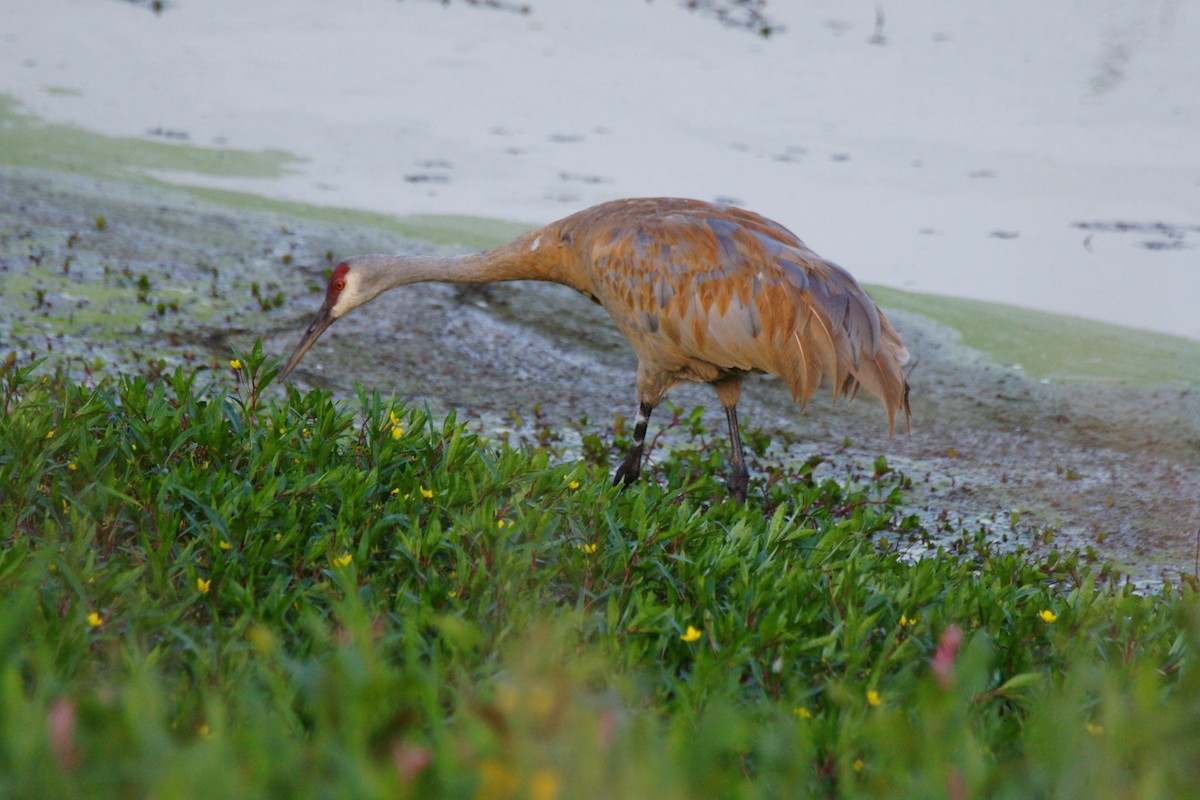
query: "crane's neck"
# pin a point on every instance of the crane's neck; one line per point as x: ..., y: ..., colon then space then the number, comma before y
x: 533, y: 256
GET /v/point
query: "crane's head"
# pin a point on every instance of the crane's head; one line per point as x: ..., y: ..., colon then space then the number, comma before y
x: 342, y: 294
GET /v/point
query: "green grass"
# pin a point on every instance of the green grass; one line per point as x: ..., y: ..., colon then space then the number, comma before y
x: 207, y: 593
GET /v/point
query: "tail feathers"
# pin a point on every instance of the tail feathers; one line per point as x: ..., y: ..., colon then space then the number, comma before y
x: 874, y: 362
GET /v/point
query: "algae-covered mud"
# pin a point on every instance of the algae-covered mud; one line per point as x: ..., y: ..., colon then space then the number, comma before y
x: 103, y: 275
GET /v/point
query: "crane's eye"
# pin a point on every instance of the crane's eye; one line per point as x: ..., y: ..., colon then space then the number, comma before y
x: 339, y: 284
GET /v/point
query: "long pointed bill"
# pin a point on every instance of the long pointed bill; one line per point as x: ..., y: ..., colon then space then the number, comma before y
x: 322, y: 321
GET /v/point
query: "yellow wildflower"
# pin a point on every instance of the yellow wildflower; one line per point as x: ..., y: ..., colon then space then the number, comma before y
x: 282, y: 431
x: 203, y: 731
x: 1048, y: 616
x: 589, y: 548
x: 426, y: 493
x: 1094, y: 729
x: 94, y: 620
x: 906, y: 620
x: 224, y: 545
x: 343, y: 561
x: 802, y: 712
x: 499, y: 524
x: 235, y: 364
x: 873, y: 698
x: 397, y: 432
x: 691, y: 635
x: 544, y: 784
x: 858, y: 765
x: 72, y: 466
x: 393, y: 419
x: 203, y: 585
x: 573, y: 485
x: 395, y: 492
x: 50, y: 435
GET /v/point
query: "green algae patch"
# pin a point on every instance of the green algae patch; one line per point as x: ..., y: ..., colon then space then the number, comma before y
x: 61, y: 91
x: 1056, y: 346
x: 49, y: 303
x: 26, y: 141
x: 441, y: 229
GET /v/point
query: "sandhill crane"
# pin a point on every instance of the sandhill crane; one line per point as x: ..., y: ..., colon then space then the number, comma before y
x: 703, y: 293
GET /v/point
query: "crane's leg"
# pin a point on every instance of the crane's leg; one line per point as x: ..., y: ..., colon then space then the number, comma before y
x: 729, y: 389
x: 739, y: 479
x: 631, y: 467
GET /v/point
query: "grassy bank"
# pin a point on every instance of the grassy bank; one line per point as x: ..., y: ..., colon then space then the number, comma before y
x: 207, y: 594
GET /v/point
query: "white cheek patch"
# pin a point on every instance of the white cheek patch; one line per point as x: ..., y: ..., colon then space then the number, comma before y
x: 537, y: 242
x: 345, y: 300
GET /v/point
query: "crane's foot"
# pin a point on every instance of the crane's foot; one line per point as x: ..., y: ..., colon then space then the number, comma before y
x: 739, y: 481
x: 628, y: 472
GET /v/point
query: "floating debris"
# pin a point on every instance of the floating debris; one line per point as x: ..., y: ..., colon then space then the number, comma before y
x: 1169, y: 236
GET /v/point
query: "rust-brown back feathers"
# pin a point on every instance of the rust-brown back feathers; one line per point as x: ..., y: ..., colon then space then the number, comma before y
x: 703, y: 292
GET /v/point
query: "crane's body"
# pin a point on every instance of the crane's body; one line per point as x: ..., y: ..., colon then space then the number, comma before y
x: 703, y: 293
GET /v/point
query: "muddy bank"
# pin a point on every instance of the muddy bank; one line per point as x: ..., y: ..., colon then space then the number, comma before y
x: 106, y: 275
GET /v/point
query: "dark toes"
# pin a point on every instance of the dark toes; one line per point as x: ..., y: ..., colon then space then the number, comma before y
x: 625, y: 474
x: 738, y: 482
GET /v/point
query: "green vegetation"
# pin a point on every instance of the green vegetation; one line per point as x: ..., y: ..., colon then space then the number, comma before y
x: 208, y: 593
x: 1056, y: 345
